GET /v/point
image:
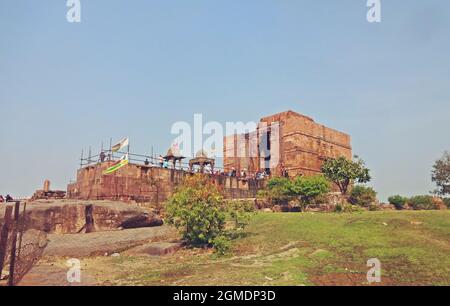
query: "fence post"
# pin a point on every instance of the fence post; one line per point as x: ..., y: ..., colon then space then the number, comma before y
x: 12, y: 261
x: 4, y: 236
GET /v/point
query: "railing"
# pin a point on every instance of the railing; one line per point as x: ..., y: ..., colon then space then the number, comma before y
x: 153, y: 161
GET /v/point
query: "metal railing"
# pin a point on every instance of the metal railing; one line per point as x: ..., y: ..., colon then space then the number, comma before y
x: 154, y: 161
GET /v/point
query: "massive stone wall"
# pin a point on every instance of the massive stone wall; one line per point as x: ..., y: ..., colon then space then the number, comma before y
x: 146, y: 184
x: 303, y: 146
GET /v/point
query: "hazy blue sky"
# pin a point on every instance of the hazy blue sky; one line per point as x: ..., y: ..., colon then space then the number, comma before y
x: 135, y: 67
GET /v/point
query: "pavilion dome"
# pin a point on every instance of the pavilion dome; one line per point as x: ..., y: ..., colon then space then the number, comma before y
x: 201, y: 153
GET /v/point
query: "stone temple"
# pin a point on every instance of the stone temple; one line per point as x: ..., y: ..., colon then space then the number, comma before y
x: 287, y: 143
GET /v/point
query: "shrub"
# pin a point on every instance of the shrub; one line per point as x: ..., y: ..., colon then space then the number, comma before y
x: 222, y: 245
x: 447, y: 202
x: 199, y: 209
x: 277, y: 192
x: 308, y: 189
x: 398, y: 201
x: 424, y: 202
x: 362, y: 196
x: 240, y: 213
x: 347, y: 208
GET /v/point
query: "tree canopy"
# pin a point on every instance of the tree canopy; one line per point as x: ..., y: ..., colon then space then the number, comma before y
x: 441, y: 174
x: 344, y: 172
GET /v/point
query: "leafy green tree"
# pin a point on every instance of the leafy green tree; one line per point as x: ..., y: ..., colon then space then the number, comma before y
x: 362, y: 196
x: 344, y: 172
x: 441, y: 175
x: 278, y: 190
x: 398, y: 201
x: 199, y: 209
x: 309, y: 188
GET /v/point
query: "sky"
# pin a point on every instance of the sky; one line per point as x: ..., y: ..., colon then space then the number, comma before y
x: 133, y: 68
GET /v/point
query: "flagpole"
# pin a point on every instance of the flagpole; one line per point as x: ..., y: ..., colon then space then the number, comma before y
x: 81, y: 159
x: 110, y: 149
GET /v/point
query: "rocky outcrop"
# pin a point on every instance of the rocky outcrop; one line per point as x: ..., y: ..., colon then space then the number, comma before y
x: 69, y: 217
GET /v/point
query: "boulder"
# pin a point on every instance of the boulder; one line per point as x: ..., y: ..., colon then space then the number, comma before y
x: 439, y: 204
x: 143, y: 220
x: 71, y: 216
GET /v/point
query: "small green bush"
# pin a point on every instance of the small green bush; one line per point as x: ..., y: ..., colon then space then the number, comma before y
x: 277, y: 192
x: 309, y: 188
x: 424, y: 202
x: 240, y: 212
x: 398, y: 201
x: 222, y: 245
x: 447, y: 202
x: 362, y: 196
x: 347, y: 208
x: 198, y: 208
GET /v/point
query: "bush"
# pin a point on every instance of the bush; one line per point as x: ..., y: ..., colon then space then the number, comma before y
x: 347, y: 208
x: 240, y: 212
x: 222, y: 245
x: 362, y: 196
x: 308, y: 189
x: 277, y: 192
x: 424, y: 202
x: 199, y: 209
x: 447, y: 202
x: 398, y: 201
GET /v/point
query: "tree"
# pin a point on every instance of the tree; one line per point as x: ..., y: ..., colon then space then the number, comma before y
x: 441, y: 175
x: 344, y: 172
x: 309, y: 188
x: 199, y: 209
x: 278, y: 190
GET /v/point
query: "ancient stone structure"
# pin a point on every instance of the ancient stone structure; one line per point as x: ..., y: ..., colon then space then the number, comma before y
x: 47, y: 194
x: 145, y: 183
x: 286, y: 142
x: 201, y: 160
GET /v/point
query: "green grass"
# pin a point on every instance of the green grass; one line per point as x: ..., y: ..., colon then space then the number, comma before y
x: 304, y: 249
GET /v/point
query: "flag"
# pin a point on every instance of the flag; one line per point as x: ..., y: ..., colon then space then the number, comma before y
x: 121, y: 144
x: 117, y: 165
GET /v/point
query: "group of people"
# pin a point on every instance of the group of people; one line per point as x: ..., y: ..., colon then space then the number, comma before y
x: 242, y: 174
x: 8, y: 198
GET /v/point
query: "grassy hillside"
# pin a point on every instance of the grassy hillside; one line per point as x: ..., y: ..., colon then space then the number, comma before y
x: 303, y: 249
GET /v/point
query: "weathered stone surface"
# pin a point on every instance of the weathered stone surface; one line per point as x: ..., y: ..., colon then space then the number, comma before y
x: 157, y: 248
x: 65, y: 216
x: 105, y: 243
x: 144, y: 220
x: 143, y: 183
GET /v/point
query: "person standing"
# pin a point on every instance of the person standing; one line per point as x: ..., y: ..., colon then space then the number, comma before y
x: 1, y: 199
